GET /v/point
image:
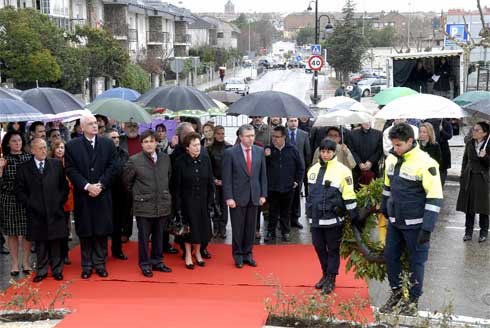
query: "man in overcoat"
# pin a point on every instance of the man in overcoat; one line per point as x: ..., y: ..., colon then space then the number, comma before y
x: 90, y: 166
x: 42, y: 188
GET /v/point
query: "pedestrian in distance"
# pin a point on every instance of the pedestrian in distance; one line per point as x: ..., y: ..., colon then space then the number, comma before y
x: 42, y: 188
x: 146, y: 176
x: 331, y: 195
x: 411, y: 199
x: 245, y: 189
x: 474, y: 193
x: 90, y: 166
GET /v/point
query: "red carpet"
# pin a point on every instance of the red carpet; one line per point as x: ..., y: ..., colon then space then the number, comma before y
x: 218, y: 295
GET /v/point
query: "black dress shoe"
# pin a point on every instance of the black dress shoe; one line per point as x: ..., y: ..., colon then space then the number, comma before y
x: 467, y: 237
x: 239, y: 265
x: 102, y: 273
x: 27, y: 271
x: 120, y: 256
x: 482, y: 239
x: 147, y: 273
x: 252, y: 263
x: 205, y: 254
x: 86, y: 274
x: 39, y: 278
x: 58, y: 276
x: 201, y: 263
x: 321, y: 282
x: 171, y: 250
x: 190, y: 266
x: 14, y: 273
x: 162, y: 268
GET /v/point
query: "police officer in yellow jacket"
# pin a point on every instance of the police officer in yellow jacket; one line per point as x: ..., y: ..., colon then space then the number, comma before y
x: 412, y: 199
x: 331, y: 194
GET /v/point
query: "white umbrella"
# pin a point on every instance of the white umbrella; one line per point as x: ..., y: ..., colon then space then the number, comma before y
x: 341, y: 103
x: 342, y: 117
x: 421, y: 106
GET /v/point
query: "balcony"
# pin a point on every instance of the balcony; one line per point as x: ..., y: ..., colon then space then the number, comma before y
x: 119, y: 31
x: 132, y: 35
x: 182, y: 39
x: 156, y: 38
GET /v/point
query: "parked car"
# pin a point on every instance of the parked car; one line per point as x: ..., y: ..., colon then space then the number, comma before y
x: 296, y: 64
x: 372, y: 86
x: 264, y: 63
x: 238, y: 86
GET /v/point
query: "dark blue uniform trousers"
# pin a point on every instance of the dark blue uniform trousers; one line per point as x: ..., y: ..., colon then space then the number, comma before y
x: 327, y: 246
x: 396, y: 241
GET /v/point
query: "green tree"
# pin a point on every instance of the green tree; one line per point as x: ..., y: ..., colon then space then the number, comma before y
x: 135, y: 77
x: 346, y: 46
x: 385, y: 37
x: 306, y: 35
x: 104, y: 55
x: 28, y: 45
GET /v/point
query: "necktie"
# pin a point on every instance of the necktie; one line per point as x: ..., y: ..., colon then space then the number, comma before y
x: 249, y: 161
x: 41, y: 167
x: 293, y: 138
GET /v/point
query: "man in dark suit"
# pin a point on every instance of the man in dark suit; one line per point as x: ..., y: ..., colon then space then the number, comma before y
x: 42, y: 187
x: 90, y: 165
x: 300, y: 140
x: 244, y: 189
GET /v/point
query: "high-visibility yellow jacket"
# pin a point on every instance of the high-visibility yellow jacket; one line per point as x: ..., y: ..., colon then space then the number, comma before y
x: 412, y: 194
x: 330, y: 194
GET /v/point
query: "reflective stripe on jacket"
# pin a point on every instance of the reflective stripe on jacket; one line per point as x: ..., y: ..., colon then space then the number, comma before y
x: 331, y: 193
x: 412, y: 194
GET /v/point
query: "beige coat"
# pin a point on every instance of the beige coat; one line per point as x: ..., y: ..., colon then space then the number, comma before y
x: 344, y: 156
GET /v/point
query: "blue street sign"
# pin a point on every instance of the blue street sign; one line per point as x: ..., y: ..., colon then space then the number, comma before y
x: 298, y: 58
x: 316, y: 49
x: 457, y: 32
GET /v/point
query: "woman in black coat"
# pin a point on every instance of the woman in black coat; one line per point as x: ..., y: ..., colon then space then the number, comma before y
x: 194, y: 196
x: 427, y: 142
x: 474, y: 193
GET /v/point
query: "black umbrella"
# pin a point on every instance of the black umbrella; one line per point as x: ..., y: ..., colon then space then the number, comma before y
x: 225, y: 96
x: 177, y: 98
x: 55, y: 103
x: 270, y: 103
x: 8, y: 94
x: 18, y: 111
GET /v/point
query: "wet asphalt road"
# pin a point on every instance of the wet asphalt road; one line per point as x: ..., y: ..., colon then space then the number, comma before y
x: 456, y: 272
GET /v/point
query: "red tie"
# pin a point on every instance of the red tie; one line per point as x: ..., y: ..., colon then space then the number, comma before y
x: 249, y: 162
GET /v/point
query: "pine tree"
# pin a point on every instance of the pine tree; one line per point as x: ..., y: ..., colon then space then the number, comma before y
x: 346, y: 46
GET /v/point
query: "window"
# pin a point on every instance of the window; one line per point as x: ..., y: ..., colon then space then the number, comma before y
x: 220, y: 35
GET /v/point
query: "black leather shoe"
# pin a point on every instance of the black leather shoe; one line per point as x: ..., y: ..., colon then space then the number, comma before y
x: 147, y: 273
x: 86, y: 274
x: 205, y: 254
x: 296, y: 225
x: 201, y: 263
x: 321, y: 282
x: 58, y: 276
x: 190, y: 266
x: 39, y: 278
x: 171, y: 250
x: 482, y: 239
x: 239, y: 265
x: 14, y: 273
x: 467, y: 237
x: 252, y: 263
x: 162, y: 268
x: 120, y: 256
x: 27, y: 271
x: 102, y: 273
x: 286, y: 237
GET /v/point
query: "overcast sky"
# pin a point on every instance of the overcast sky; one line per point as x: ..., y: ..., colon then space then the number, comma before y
x: 287, y: 6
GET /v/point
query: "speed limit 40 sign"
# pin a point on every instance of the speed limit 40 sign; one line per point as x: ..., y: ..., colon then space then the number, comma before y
x: 315, y: 62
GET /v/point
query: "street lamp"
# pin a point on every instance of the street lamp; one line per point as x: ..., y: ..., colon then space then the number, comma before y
x: 315, y: 98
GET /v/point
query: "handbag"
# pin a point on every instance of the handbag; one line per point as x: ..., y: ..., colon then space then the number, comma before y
x: 177, y: 228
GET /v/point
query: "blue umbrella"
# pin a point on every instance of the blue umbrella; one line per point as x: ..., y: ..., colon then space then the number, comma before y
x: 121, y: 93
x: 18, y: 111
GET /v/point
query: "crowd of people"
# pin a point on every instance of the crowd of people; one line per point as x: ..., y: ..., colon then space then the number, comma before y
x: 104, y: 175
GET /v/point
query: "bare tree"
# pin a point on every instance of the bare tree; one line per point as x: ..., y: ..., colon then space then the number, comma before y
x: 467, y: 47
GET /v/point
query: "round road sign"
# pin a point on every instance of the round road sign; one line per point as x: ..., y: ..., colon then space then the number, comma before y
x: 315, y: 62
